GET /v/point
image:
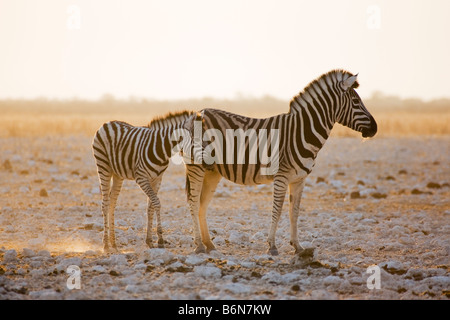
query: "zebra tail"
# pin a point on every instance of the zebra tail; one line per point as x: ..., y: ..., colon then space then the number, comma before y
x: 187, y: 188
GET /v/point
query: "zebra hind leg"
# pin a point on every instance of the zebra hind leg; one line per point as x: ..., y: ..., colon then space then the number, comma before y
x: 194, y: 181
x: 150, y: 212
x: 279, y: 192
x: 154, y: 206
x: 159, y: 230
x: 114, y: 194
x: 295, y: 195
x: 210, y: 182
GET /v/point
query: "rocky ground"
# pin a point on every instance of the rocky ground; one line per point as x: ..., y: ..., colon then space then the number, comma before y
x: 383, y: 202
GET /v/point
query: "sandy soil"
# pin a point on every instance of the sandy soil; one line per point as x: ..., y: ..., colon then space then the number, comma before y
x: 383, y: 202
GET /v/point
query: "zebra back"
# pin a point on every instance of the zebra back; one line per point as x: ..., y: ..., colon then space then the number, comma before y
x: 121, y: 149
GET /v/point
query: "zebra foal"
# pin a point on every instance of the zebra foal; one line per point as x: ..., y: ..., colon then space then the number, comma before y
x: 301, y: 134
x: 123, y: 151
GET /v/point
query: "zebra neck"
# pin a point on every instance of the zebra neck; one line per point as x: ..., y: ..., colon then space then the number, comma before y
x: 313, y: 121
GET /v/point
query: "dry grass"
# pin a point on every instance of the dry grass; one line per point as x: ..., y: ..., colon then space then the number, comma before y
x: 50, y: 118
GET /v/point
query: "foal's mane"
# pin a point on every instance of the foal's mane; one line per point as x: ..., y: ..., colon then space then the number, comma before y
x: 169, y: 119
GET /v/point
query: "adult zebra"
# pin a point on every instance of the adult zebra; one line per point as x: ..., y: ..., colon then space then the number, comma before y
x: 302, y: 132
x: 123, y: 151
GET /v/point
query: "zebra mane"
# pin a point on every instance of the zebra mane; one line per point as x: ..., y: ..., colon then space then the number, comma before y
x: 170, y: 119
x: 331, y: 78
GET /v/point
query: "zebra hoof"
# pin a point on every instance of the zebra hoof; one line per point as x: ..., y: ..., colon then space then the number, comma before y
x: 208, y: 250
x: 110, y: 250
x: 161, y: 243
x: 273, y: 251
x: 200, y: 250
x: 210, y: 247
x: 307, y: 253
x: 149, y: 244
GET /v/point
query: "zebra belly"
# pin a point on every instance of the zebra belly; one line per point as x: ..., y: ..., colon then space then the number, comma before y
x: 244, y: 174
x: 254, y: 176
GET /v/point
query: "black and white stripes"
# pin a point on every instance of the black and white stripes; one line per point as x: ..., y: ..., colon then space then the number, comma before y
x: 302, y: 132
x: 123, y: 151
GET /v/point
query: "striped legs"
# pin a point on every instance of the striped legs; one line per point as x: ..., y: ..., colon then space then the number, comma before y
x: 295, y: 195
x: 194, y: 180
x: 279, y: 191
x: 153, y: 206
x: 105, y: 184
x: 210, y: 182
x: 114, y: 194
x: 109, y: 200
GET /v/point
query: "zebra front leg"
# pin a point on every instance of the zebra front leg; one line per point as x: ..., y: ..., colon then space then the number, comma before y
x: 153, y: 206
x: 159, y: 231
x: 279, y: 192
x: 194, y: 181
x: 295, y: 195
x: 150, y: 211
x: 105, y: 210
x: 105, y: 182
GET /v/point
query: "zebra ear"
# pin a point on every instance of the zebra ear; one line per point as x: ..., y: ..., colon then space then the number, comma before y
x: 349, y: 82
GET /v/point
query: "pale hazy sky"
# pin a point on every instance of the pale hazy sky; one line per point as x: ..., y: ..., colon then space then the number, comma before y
x: 190, y: 49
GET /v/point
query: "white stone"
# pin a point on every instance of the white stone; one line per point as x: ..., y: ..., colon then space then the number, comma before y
x: 36, y: 264
x: 407, y: 240
x: 238, y: 237
x: 272, y: 277
x: 219, y: 240
x: 208, y: 272
x: 259, y: 236
x: 44, y: 253
x: 102, y: 280
x: 10, y: 256
x: 307, y: 244
x: 118, y: 260
x: 4, y: 190
x: 332, y: 281
x: 323, y: 295
x: 443, y: 281
x: 47, y: 294
x: 248, y: 264
x: 159, y: 254
x: 65, y: 263
x: 231, y: 263
x: 337, y: 184
x: 16, y: 158
x: 24, y: 189
x: 130, y: 280
x: 95, y: 190
x: 290, y: 278
x: 174, y: 265
x: 236, y: 288
x: 396, y: 265
x: 37, y: 273
x: 99, y: 269
x: 28, y: 253
x: 21, y: 271
x: 194, y: 260
x: 140, y: 266
x: 132, y: 288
